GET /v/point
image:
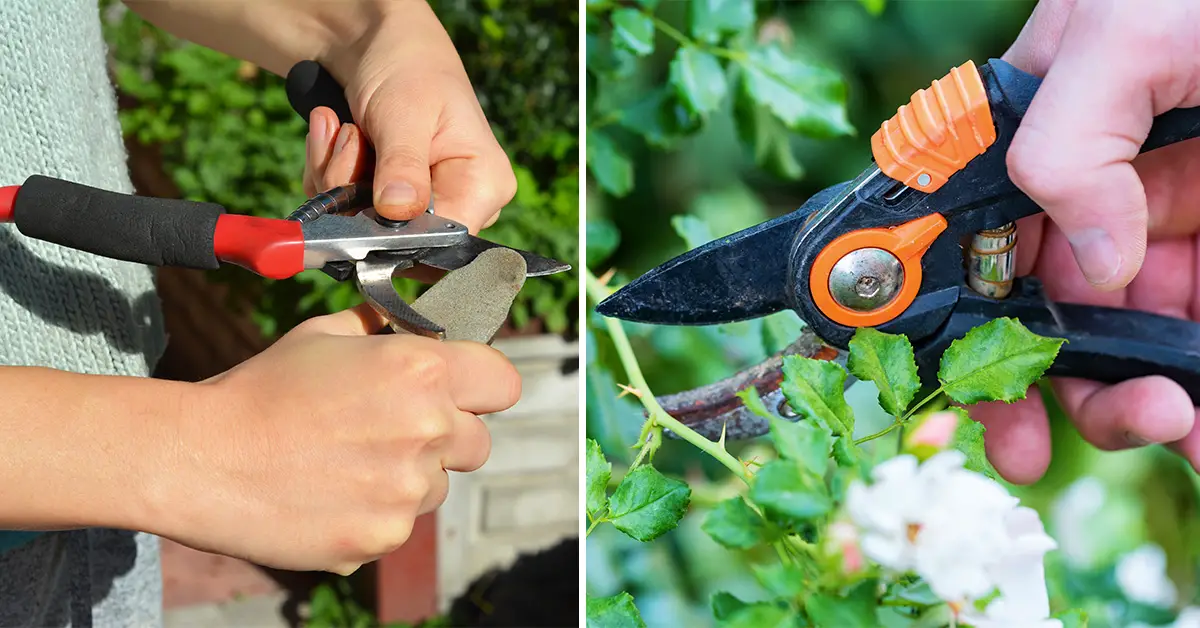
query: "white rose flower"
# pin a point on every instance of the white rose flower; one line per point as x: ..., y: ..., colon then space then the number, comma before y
x: 1142, y: 577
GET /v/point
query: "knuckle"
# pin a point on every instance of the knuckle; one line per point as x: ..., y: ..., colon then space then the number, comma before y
x: 1037, y: 170
x: 433, y: 430
x: 421, y: 368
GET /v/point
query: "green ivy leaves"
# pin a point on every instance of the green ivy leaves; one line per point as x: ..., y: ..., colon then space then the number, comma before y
x: 998, y: 361
x: 774, y: 90
x: 633, y: 31
x: 808, y: 98
x: 699, y: 80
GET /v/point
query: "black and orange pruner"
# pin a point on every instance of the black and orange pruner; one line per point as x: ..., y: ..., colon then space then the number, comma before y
x: 921, y: 244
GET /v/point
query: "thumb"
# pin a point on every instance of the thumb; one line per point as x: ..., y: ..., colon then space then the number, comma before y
x: 1072, y: 153
x: 402, y: 132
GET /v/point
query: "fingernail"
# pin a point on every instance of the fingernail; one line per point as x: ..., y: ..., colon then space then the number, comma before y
x: 1097, y: 255
x: 398, y: 193
x: 342, y: 139
x: 1135, y: 440
x: 320, y: 135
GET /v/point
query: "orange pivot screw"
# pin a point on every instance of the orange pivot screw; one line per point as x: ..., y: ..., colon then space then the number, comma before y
x: 868, y: 277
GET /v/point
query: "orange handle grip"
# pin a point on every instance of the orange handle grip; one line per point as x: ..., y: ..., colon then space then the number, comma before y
x: 938, y: 132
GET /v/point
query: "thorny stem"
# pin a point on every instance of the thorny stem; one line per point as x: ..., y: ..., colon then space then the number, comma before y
x: 657, y: 416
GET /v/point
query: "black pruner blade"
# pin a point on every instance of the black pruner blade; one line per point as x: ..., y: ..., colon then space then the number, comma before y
x: 735, y: 278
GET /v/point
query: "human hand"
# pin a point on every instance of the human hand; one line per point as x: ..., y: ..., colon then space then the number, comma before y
x: 413, y: 101
x: 1110, y: 67
x: 319, y: 453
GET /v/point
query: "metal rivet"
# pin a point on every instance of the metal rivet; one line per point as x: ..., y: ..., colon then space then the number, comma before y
x: 866, y: 279
x: 924, y: 179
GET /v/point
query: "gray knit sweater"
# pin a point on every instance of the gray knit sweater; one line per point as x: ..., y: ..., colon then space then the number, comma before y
x: 69, y: 310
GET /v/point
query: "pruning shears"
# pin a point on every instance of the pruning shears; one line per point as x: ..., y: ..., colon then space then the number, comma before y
x: 921, y: 243
x: 336, y: 231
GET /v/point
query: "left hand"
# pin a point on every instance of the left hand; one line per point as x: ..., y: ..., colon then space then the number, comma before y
x: 414, y: 103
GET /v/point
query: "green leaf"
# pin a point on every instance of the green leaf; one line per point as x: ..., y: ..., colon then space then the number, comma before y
x: 699, y: 80
x: 855, y: 610
x: 779, y: 579
x: 780, y: 330
x: 803, y: 441
x: 647, y: 504
x: 602, y: 239
x: 845, y: 453
x: 785, y: 488
x: 617, y: 611
x: 915, y: 593
x: 874, y: 7
x: 695, y: 232
x: 725, y: 604
x: 612, y: 168
x: 968, y: 438
x: 633, y: 31
x: 599, y: 471
x: 816, y: 390
x: 888, y: 361
x: 761, y: 615
x: 766, y: 136
x: 660, y: 118
x: 1073, y: 618
x: 736, y: 525
x: 808, y: 98
x: 997, y: 361
x: 711, y: 19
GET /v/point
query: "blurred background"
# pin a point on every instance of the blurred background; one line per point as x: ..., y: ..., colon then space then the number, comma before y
x: 204, y: 126
x: 1128, y: 523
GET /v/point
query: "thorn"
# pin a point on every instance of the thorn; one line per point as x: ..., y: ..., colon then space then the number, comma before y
x: 629, y: 390
x: 606, y: 277
x: 721, y: 442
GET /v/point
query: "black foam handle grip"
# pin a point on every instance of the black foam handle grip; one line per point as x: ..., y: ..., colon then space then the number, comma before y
x: 154, y: 231
x: 309, y: 85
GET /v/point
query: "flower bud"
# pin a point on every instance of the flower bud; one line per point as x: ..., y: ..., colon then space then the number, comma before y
x: 843, y: 553
x: 930, y: 434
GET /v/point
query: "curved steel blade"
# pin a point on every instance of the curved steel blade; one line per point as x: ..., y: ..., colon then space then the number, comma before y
x: 374, y: 277
x: 455, y: 257
x: 738, y: 277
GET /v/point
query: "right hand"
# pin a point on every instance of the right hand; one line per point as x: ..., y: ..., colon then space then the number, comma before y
x: 1110, y: 66
x: 319, y: 453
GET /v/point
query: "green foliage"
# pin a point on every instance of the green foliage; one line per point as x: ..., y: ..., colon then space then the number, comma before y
x: 997, y: 361
x: 647, y: 504
x: 878, y: 357
x: 599, y: 471
x: 617, y: 611
x: 968, y: 438
x: 776, y: 87
x: 816, y: 389
x: 786, y: 488
x: 736, y: 525
x: 334, y: 605
x: 227, y: 134
x: 854, y: 610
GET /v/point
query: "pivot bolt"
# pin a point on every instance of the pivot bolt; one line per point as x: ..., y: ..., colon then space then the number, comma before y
x: 866, y: 279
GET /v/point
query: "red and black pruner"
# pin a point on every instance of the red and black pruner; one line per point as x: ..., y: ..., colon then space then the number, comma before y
x: 921, y: 244
x: 336, y: 231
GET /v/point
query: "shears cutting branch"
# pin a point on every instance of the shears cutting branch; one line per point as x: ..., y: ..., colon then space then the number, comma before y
x: 921, y: 243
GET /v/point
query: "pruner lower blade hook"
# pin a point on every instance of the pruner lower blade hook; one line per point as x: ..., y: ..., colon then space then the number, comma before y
x: 374, y: 277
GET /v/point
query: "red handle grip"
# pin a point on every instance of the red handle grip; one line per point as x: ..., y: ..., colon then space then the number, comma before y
x: 268, y: 246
